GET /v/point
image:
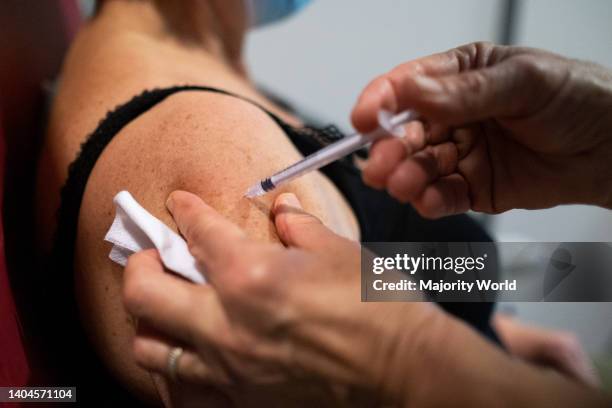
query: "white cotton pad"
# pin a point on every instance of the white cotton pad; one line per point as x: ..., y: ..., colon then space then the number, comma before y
x: 135, y: 229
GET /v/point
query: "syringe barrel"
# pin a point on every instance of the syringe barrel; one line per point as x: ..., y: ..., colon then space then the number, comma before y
x: 327, y: 155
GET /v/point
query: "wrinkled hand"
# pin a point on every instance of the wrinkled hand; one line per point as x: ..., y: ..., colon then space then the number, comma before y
x: 504, y: 127
x: 272, y: 313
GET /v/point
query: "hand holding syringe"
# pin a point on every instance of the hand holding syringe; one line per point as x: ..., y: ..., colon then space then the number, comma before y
x: 389, y: 125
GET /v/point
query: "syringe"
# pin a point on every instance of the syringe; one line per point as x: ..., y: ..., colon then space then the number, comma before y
x: 389, y: 124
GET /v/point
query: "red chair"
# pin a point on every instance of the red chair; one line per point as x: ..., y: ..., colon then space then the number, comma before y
x: 34, y: 36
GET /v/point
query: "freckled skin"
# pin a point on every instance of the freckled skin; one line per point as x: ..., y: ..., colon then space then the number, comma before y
x: 213, y: 145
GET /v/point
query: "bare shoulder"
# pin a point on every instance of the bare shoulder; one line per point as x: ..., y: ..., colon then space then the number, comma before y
x: 211, y: 144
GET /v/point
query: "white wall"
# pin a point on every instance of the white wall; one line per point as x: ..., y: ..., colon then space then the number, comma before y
x: 325, y: 55
x: 577, y: 28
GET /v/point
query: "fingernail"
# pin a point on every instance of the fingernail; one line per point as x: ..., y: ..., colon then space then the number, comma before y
x: 375, y: 160
x: 387, y: 97
x: 427, y: 84
x: 289, y: 199
x: 170, y: 202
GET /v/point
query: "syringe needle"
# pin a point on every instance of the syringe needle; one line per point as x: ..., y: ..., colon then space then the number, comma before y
x: 255, y: 190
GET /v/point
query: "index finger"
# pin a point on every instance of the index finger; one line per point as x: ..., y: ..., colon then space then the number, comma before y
x: 385, y: 91
x: 398, y: 90
x: 212, y: 239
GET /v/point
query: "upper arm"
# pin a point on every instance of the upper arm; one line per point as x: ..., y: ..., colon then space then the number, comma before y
x: 212, y: 145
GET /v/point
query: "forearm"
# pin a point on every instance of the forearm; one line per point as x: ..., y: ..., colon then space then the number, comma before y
x: 453, y: 365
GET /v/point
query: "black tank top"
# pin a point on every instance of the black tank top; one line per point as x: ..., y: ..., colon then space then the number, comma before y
x: 380, y: 218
